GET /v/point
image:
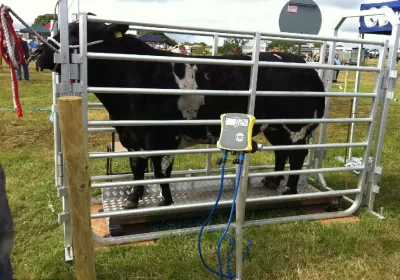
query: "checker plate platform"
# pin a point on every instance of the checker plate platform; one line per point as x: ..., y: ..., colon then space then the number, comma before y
x: 200, y: 192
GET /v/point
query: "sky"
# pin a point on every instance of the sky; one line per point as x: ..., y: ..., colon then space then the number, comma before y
x: 254, y: 15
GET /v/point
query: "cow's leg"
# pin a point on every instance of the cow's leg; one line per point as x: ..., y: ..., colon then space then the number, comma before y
x: 162, y: 166
x: 138, y: 167
x: 296, y: 161
x: 280, y: 161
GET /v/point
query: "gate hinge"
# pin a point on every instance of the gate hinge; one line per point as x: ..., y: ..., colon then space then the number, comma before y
x: 62, y: 89
x: 375, y: 188
x: 390, y: 95
x: 63, y: 217
x: 393, y: 77
x: 60, y: 58
x: 76, y: 58
x: 60, y: 167
x: 378, y: 170
x: 62, y: 191
x: 77, y: 88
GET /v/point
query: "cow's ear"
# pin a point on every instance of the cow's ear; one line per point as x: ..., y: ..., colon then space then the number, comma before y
x: 117, y: 30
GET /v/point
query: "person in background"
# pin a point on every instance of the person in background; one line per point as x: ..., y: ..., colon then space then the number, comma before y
x: 336, y: 72
x: 6, y: 231
x: 25, y: 50
x: 181, y: 49
x: 32, y: 45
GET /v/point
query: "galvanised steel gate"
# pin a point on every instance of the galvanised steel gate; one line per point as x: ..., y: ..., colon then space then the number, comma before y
x: 76, y: 69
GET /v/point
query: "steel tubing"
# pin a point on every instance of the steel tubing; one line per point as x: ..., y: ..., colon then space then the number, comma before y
x: 218, y: 122
x: 98, y: 155
x: 206, y: 178
x: 244, y: 32
x: 223, y: 203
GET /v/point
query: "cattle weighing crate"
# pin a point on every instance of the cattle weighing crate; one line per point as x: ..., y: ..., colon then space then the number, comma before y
x: 186, y: 193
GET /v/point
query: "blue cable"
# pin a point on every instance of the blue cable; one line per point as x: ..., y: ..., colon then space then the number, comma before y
x: 231, y: 241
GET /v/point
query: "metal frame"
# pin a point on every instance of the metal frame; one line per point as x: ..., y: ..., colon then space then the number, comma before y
x: 384, y: 83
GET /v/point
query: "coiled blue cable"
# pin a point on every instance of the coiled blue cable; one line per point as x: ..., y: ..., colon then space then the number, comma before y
x: 224, y: 235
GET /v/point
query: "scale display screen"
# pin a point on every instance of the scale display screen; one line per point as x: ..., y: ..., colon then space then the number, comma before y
x: 237, y: 122
x: 236, y: 132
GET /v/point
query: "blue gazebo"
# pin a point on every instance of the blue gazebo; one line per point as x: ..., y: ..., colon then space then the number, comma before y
x: 150, y: 38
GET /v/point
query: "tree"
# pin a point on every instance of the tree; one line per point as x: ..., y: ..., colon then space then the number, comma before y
x: 44, y: 19
x: 168, y: 40
x: 317, y: 45
x: 280, y: 45
x: 232, y: 45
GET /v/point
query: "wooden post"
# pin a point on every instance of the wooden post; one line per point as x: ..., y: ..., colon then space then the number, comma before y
x: 79, y: 172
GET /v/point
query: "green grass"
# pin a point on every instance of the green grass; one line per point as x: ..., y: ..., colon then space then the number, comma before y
x: 369, y: 249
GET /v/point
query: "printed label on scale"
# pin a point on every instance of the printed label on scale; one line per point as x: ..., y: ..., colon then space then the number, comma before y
x: 239, y: 137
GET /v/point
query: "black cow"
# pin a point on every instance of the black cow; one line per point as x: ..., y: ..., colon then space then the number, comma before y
x: 134, y: 74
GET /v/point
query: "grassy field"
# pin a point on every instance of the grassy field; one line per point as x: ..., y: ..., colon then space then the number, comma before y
x: 369, y: 249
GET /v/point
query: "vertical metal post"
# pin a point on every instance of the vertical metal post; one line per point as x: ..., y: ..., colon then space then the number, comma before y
x: 64, y: 88
x: 242, y: 193
x: 56, y: 127
x: 322, y: 59
x: 215, y: 44
x: 354, y: 110
x: 83, y: 70
x: 321, y: 73
x: 385, y: 102
x: 209, y: 155
x: 328, y: 87
x: 374, y: 108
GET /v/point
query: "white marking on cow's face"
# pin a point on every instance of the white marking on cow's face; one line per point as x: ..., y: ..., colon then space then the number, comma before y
x: 189, y: 105
x: 278, y: 56
x: 166, y: 162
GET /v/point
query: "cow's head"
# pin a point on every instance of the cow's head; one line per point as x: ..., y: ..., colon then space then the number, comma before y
x: 110, y: 34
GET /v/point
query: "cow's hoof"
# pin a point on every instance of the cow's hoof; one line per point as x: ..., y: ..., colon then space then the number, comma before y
x: 270, y: 183
x: 164, y: 202
x: 127, y: 204
x: 289, y: 191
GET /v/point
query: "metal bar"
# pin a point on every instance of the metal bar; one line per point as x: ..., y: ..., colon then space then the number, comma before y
x: 194, y: 60
x: 317, y: 66
x: 223, y: 203
x: 387, y: 87
x: 178, y: 232
x: 222, y: 35
x: 182, y: 172
x: 355, y: 99
x: 174, y: 59
x: 242, y: 192
x: 370, y: 132
x: 56, y: 125
x: 317, y: 94
x: 243, y: 32
x: 120, y: 90
x: 206, y: 178
x: 320, y: 155
x: 83, y: 70
x: 216, y: 122
x: 95, y: 104
x: 322, y: 59
x: 65, y: 81
x: 99, y: 155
